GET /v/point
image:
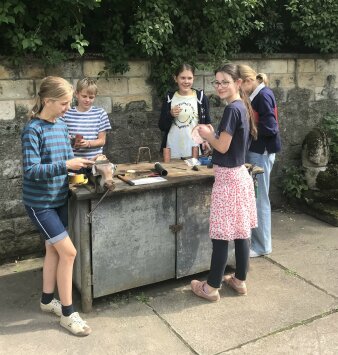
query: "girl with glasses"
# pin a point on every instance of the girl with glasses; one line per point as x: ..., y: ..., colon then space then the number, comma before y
x: 233, y: 208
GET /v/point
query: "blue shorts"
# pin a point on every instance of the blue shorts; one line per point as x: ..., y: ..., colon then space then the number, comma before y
x: 51, y: 222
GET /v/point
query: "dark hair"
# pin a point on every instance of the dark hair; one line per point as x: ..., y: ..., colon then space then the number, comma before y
x: 183, y: 67
x: 233, y: 71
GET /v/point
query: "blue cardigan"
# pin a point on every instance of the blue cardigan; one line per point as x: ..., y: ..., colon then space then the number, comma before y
x: 265, y: 110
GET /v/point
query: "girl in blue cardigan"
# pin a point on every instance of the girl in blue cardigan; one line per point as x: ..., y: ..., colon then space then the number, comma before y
x: 262, y: 152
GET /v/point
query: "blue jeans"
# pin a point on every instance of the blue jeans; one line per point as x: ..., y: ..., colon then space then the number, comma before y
x: 261, y: 236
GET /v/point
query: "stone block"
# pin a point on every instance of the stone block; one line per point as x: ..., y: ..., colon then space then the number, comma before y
x: 291, y: 63
x: 112, y: 86
x: 23, y: 108
x: 327, y: 66
x: 311, y: 80
x: 198, y: 82
x: 6, y: 229
x: 91, y: 68
x: 32, y: 71
x: 11, y: 169
x: 105, y: 102
x: 16, y: 89
x: 69, y: 69
x: 138, y: 69
x: 23, y: 226
x: 11, y: 248
x: 251, y: 63
x: 11, y: 208
x: 207, y: 84
x: 6, y: 73
x: 204, y: 69
x: 282, y: 80
x: 138, y: 86
x: 10, y: 189
x: 306, y: 65
x: 122, y: 101
x: 7, y: 109
x: 272, y: 66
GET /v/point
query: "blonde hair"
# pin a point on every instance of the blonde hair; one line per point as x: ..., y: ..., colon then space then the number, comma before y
x: 247, y: 72
x: 52, y: 87
x: 87, y: 84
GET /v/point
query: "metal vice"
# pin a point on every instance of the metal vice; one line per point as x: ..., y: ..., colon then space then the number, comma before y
x: 102, y: 175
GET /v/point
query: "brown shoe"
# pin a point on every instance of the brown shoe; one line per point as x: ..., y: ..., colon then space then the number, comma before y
x: 230, y: 280
x: 197, y: 289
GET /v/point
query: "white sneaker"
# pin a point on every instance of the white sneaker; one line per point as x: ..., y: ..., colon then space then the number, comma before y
x: 253, y: 254
x: 75, y: 324
x: 54, y: 306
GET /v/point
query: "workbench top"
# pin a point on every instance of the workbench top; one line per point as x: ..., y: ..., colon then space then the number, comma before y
x: 179, y: 173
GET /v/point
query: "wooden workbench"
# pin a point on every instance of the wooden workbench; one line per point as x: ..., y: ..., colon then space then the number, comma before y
x: 141, y: 234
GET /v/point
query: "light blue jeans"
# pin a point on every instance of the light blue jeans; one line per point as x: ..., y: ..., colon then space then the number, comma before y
x: 261, y: 236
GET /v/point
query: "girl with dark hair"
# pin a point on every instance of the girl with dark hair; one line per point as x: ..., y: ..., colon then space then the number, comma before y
x: 233, y: 208
x: 181, y: 111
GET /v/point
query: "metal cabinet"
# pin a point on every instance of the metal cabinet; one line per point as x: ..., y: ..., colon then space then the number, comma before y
x: 139, y: 236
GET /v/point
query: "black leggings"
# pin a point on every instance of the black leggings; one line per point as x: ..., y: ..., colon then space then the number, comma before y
x: 219, y: 260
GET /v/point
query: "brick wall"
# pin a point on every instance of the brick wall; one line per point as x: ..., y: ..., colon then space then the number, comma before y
x: 305, y: 88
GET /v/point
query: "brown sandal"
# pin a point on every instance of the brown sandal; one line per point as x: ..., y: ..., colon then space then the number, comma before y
x: 231, y: 282
x: 197, y: 288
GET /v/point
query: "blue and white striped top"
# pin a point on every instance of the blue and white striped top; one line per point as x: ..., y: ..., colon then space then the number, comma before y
x: 89, y: 124
x: 45, y: 149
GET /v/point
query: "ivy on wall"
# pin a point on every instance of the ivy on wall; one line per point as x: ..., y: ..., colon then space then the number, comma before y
x: 166, y: 32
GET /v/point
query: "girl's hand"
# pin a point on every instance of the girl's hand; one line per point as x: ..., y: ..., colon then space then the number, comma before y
x: 205, y: 131
x: 82, y: 144
x: 78, y: 163
x: 206, y: 148
x: 175, y: 111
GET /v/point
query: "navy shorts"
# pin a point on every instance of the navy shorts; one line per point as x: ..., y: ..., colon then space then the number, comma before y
x: 51, y: 222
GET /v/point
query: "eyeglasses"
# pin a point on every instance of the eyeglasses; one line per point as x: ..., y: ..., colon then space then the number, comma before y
x: 223, y: 84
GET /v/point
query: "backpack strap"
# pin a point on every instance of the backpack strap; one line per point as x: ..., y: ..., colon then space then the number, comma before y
x: 199, y: 99
x: 170, y: 97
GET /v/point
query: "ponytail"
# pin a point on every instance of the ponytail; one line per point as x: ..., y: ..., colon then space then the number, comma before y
x: 250, y: 113
x: 38, y: 106
x: 262, y: 78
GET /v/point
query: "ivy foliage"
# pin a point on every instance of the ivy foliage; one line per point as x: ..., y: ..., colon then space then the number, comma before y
x: 166, y: 32
x: 316, y: 22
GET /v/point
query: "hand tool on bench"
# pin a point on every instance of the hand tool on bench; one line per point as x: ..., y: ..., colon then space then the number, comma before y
x: 126, y: 180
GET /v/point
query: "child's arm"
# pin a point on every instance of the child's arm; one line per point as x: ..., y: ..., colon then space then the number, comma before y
x: 99, y: 142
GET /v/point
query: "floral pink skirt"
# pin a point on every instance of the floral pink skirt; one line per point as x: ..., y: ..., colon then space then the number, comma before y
x: 233, y: 206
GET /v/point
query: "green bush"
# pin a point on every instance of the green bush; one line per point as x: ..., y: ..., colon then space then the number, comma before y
x: 330, y: 126
x: 166, y: 32
x: 293, y: 182
x: 316, y: 22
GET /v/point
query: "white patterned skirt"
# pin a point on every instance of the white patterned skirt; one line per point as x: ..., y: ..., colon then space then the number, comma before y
x: 233, y: 206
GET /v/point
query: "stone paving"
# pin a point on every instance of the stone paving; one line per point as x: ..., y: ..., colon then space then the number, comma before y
x: 291, y: 307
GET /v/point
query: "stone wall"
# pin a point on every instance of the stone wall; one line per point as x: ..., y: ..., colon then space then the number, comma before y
x: 305, y: 88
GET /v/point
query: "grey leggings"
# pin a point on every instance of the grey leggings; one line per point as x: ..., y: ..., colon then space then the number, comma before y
x: 219, y: 260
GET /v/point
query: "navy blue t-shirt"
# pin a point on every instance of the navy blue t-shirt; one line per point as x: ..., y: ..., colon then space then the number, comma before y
x: 236, y: 123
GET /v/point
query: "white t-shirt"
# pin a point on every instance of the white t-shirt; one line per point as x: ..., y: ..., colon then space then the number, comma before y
x: 179, y: 137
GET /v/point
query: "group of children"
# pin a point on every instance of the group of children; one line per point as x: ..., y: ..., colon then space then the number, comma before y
x: 246, y: 126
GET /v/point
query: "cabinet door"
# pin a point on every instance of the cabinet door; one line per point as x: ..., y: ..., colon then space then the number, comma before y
x: 132, y: 244
x: 193, y: 243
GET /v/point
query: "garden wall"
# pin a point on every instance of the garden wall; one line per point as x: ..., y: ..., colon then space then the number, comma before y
x: 305, y: 88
